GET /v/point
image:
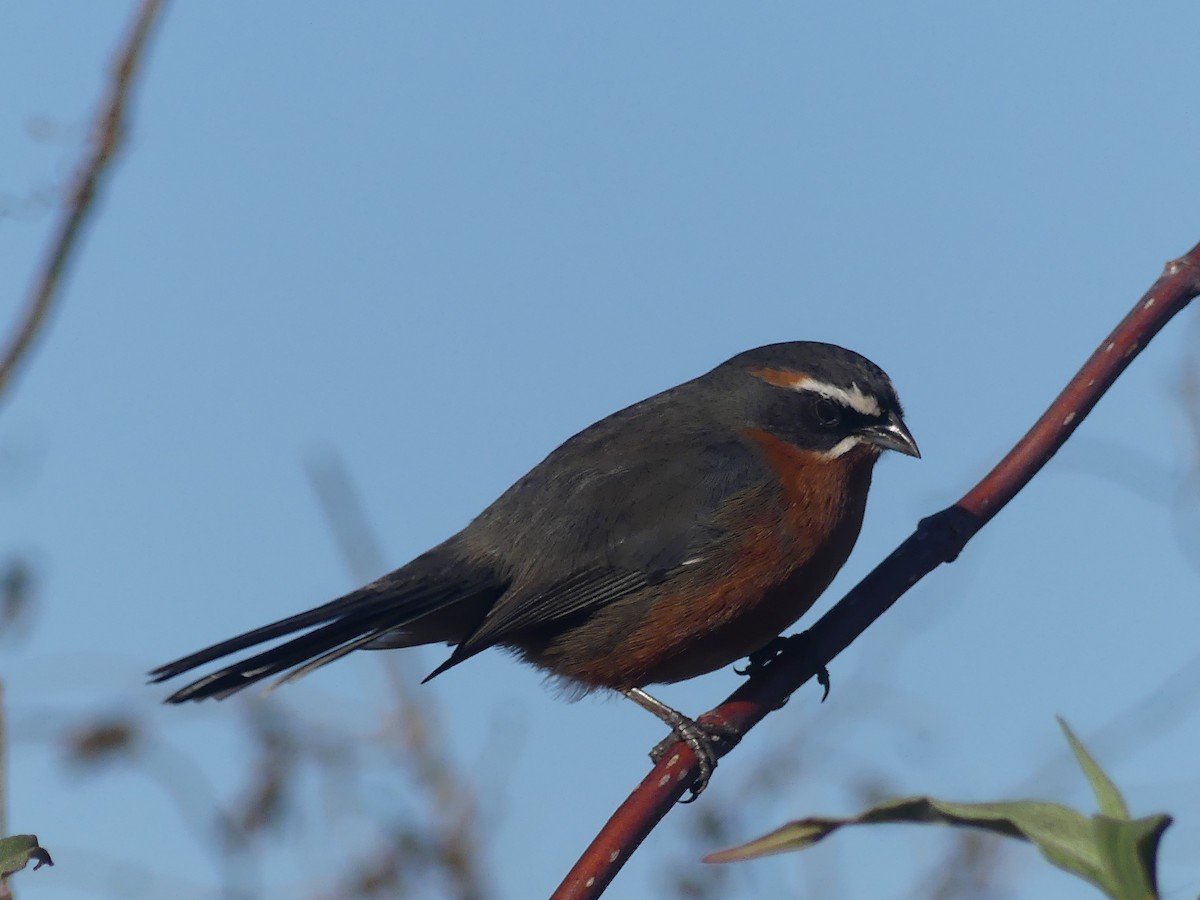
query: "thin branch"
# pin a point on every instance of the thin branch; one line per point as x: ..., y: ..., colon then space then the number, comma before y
x: 426, y: 752
x: 106, y: 141
x: 938, y: 539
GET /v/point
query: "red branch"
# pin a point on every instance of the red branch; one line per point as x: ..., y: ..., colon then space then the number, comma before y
x: 937, y: 539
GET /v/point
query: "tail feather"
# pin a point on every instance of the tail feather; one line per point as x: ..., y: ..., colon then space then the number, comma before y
x: 331, y: 610
x: 326, y: 658
x: 345, y: 624
x: 318, y: 644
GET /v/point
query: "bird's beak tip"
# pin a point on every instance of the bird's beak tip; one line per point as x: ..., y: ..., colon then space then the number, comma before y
x: 894, y: 436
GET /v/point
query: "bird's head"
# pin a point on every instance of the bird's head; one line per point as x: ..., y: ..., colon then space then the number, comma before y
x: 819, y: 397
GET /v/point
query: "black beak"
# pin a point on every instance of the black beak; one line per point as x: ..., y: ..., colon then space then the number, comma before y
x: 892, y: 435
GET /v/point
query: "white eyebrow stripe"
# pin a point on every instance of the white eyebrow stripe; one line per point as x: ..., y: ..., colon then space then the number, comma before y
x: 854, y: 398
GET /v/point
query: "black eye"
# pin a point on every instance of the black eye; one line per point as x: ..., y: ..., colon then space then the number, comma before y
x: 828, y: 412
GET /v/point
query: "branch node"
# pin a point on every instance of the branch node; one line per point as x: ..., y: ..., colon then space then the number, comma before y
x: 949, y: 531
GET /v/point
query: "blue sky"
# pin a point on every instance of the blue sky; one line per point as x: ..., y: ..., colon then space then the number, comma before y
x: 438, y: 239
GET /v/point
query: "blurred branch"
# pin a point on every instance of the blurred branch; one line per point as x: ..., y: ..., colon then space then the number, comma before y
x: 120, y: 738
x: 16, y: 589
x: 1166, y: 706
x: 441, y: 846
x: 106, y: 141
x: 939, y: 538
x: 3, y: 764
x: 427, y: 753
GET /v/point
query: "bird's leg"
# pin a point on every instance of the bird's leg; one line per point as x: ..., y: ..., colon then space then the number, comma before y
x: 700, y: 736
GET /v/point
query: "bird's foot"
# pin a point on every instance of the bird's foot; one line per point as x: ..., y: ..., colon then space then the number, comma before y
x: 757, y: 661
x: 793, y: 644
x: 702, y: 738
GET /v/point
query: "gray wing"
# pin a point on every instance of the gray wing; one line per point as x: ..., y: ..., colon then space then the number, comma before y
x: 593, y: 535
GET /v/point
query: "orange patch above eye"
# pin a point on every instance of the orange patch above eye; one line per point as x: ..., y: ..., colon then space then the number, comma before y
x: 781, y: 377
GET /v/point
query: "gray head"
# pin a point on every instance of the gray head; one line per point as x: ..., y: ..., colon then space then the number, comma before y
x: 818, y: 397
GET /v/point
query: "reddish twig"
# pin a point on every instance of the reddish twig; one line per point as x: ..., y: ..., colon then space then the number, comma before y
x: 937, y: 539
x: 106, y: 140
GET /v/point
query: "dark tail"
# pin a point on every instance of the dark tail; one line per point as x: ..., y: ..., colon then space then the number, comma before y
x: 345, y: 624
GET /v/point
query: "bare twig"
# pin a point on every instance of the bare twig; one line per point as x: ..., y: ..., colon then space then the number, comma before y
x: 937, y: 539
x: 426, y: 752
x: 3, y: 765
x: 106, y: 141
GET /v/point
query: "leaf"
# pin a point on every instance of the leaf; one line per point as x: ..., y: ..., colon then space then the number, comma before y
x: 1029, y: 820
x: 1107, y: 796
x: 17, y: 851
x: 1130, y: 848
x: 1115, y: 853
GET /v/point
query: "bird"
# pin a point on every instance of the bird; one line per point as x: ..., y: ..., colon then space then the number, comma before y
x: 665, y: 541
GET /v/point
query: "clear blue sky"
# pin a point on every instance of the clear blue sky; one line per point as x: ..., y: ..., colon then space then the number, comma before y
x: 438, y: 239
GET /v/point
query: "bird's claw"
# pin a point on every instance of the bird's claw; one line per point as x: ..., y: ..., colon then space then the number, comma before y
x: 758, y: 661
x: 701, y: 737
x: 824, y: 681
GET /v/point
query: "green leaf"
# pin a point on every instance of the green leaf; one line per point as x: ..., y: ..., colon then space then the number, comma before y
x: 1108, y: 798
x: 1062, y: 830
x: 17, y: 851
x: 1129, y: 849
x: 1110, y: 850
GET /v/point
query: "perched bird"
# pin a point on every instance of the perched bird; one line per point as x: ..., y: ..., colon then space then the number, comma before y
x: 665, y: 541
